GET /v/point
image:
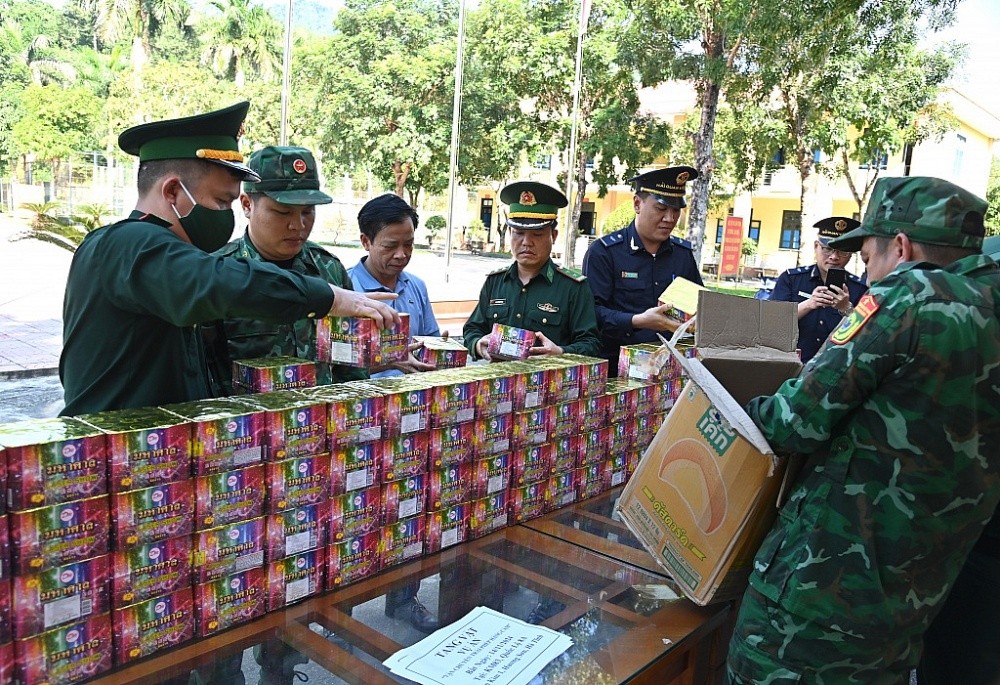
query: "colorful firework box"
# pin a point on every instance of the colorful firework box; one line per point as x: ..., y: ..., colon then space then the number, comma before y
x: 230, y: 601
x: 647, y: 398
x: 508, y: 343
x: 646, y: 426
x: 449, y: 486
x: 565, y: 381
x: 441, y: 353
x: 568, y: 419
x: 490, y: 475
x: 404, y: 455
x: 403, y: 541
x: 492, y: 436
x: 355, y: 513
x: 447, y: 527
x: 298, y: 481
x: 623, y: 437
x: 60, y: 595
x: 355, y: 467
x: 354, y: 413
x: 224, y: 498
x: 296, y: 425
x: 595, y: 412
x: 353, y: 559
x: 157, y: 623
x: 7, y: 663
x: 68, y: 654
x: 151, y: 514
x: 454, y: 400
x: 228, y: 549
x: 5, y: 604
x: 532, y: 426
x: 3, y: 484
x: 594, y: 447
x: 566, y: 452
x: 619, y: 469
x: 527, y: 501
x: 150, y: 570
x: 407, y: 403
x: 649, y: 362
x: 403, y: 498
x: 496, y: 393
x: 532, y: 464
x: 622, y: 397
x: 450, y: 445
x: 295, y: 578
x: 531, y: 384
x: 146, y: 446
x: 53, y: 460
x: 296, y: 530
x: 670, y: 392
x: 228, y: 433
x: 593, y: 479
x: 561, y: 490
x: 489, y: 514
x: 268, y: 374
x: 4, y: 546
x: 358, y: 341
x: 593, y: 373
x: 60, y: 534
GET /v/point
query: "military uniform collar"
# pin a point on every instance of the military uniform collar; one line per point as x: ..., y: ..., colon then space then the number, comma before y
x: 548, y: 271
x: 137, y: 215
x: 814, y: 273
x: 635, y: 245
x: 364, y: 280
x: 248, y: 250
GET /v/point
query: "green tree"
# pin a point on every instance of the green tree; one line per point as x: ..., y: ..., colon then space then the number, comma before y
x: 433, y: 226
x: 243, y: 39
x: 993, y: 198
x: 137, y: 22
x: 620, y: 217
x: 56, y: 122
x: 46, y: 227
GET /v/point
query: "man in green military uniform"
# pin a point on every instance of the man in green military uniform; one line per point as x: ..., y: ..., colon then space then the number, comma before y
x: 899, y: 427
x: 137, y: 289
x: 534, y: 293
x: 280, y: 209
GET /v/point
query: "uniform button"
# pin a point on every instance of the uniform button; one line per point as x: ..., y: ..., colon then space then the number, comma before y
x: 311, y: 315
x: 523, y: 290
x: 494, y: 316
x: 545, y: 320
x: 519, y: 316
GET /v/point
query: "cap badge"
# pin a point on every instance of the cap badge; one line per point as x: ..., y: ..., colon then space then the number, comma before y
x: 299, y: 165
x: 683, y: 177
x: 528, y: 198
x: 840, y: 225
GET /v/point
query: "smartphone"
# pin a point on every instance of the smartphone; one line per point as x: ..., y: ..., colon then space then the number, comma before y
x: 837, y: 277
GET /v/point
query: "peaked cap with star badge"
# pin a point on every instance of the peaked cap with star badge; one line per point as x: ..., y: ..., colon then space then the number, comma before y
x: 666, y: 186
x: 212, y: 137
x: 833, y: 227
x: 287, y: 175
x: 532, y: 205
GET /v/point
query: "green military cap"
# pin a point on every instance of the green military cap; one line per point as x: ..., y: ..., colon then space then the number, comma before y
x: 833, y: 227
x: 532, y: 204
x: 287, y: 175
x: 666, y: 185
x: 213, y: 137
x: 928, y: 210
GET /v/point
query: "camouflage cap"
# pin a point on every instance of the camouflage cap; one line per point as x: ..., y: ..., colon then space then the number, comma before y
x: 287, y: 175
x: 928, y: 210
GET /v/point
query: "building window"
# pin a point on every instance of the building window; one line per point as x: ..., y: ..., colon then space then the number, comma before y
x: 879, y: 161
x: 959, y: 154
x: 754, y: 231
x: 791, y: 230
x: 543, y: 162
x: 590, y: 162
x: 720, y: 227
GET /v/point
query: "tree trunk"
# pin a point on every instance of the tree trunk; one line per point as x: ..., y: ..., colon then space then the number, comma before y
x: 573, y: 230
x: 805, y: 162
x: 704, y: 162
x: 400, y: 172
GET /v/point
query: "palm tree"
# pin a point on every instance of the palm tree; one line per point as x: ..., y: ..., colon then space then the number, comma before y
x: 138, y: 21
x: 243, y: 39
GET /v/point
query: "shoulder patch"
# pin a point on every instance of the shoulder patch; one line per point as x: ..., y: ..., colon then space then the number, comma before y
x: 571, y: 273
x: 498, y: 271
x: 612, y: 238
x: 681, y: 242
x: 865, y: 310
x: 853, y: 278
x: 229, y: 249
x: 799, y: 270
x: 317, y: 248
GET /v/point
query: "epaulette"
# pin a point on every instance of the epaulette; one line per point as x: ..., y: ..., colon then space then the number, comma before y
x: 571, y: 273
x: 613, y: 238
x: 498, y: 271
x: 799, y: 270
x: 316, y: 247
x: 856, y: 279
x: 229, y: 248
x: 681, y: 242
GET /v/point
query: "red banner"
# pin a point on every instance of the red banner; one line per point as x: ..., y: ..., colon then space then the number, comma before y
x: 732, y: 247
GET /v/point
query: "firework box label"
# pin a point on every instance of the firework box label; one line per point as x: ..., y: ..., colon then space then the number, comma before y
x: 531, y: 386
x: 492, y: 436
x: 53, y: 536
x: 68, y: 654
x: 403, y: 541
x: 594, y: 447
x: 230, y: 601
x: 441, y: 353
x: 297, y: 482
x: 567, y: 418
x: 647, y: 398
x: 565, y: 383
x: 450, y: 445
x: 593, y: 374
x: 489, y: 514
x: 620, y: 469
x: 527, y: 501
x: 295, y: 578
x: 353, y: 559
x: 532, y: 426
x: 593, y: 479
x: 454, y: 402
x: 268, y: 374
x: 407, y: 404
x: 561, y: 490
x: 623, y: 437
x: 153, y: 625
x: 296, y: 530
x: 622, y: 399
x: 362, y: 467
x: 509, y: 342
x: 60, y: 595
x: 404, y: 455
x: 682, y: 296
x: 566, y: 452
x: 153, y: 514
x: 296, y: 425
x: 355, y: 513
x: 53, y: 460
x: 224, y: 498
x: 228, y: 549
x: 228, y: 433
x: 147, y: 446
x: 150, y: 570
x: 355, y: 414
x: 403, y: 498
x: 447, y: 527
x: 358, y: 341
x: 496, y: 394
x: 595, y: 412
x: 449, y: 486
x: 490, y: 475
x: 532, y: 464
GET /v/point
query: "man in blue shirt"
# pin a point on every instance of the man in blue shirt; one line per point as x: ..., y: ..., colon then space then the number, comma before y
x: 629, y: 269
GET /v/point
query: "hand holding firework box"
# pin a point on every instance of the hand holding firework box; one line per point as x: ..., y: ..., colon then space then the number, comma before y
x: 268, y: 374
x: 532, y: 426
x: 230, y: 601
x: 496, y: 394
x: 358, y: 341
x: 594, y: 447
x: 532, y: 464
x: 404, y: 455
x: 561, y: 490
x: 50, y: 461
x: 224, y: 498
x: 356, y: 467
x: 68, y: 654
x: 441, y: 353
x: 353, y: 559
x: 227, y: 434
x: 507, y: 343
x: 492, y: 435
x: 296, y: 425
x: 147, y: 446
x: 60, y: 595
x: 450, y: 445
x: 566, y: 452
x: 299, y: 481
x: 527, y: 501
x: 449, y: 486
x: 595, y: 412
x: 355, y: 513
x: 295, y: 578
x: 407, y: 403
x: 150, y: 570
x: 152, y: 514
x: 403, y: 498
x: 228, y: 549
x: 355, y: 413
x: 622, y: 397
x: 294, y: 531
x: 490, y: 475
x: 60, y: 534
x: 153, y: 625
x: 447, y: 527
x: 489, y: 514
x: 593, y: 373
x: 403, y: 541
x: 567, y: 419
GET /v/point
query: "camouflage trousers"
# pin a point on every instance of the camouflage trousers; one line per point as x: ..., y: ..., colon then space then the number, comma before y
x: 772, y: 647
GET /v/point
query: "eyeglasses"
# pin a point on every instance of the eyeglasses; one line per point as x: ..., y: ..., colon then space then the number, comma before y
x: 830, y: 252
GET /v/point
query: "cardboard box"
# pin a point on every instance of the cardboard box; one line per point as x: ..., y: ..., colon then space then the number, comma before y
x: 355, y: 413
x: 454, y: 400
x: 561, y: 490
x: 68, y: 654
x: 532, y: 464
x: 295, y: 578
x: 449, y: 486
x: 509, y: 342
x: 403, y: 498
x: 358, y: 341
x: 441, y: 353
x: 150, y: 570
x: 151, y: 514
x: 60, y: 595
x: 447, y: 527
x: 297, y: 482
x: 531, y: 384
x: 353, y: 559
x: 228, y: 549
x: 527, y: 501
x: 6, y: 635
x: 595, y: 412
x: 492, y: 436
x: 5, y: 570
x: 450, y: 445
x: 404, y: 455
x: 296, y: 530
x: 224, y: 498
x: 153, y: 625
x: 567, y: 419
x: 407, y: 403
x: 532, y: 426
x: 704, y: 492
x: 489, y: 514
x: 403, y: 540
x: 52, y: 536
x: 566, y: 452
x: 496, y: 396
x: 267, y: 374
x: 230, y: 600
x: 296, y: 425
x: 355, y: 514
x: 228, y: 433
x: 490, y: 475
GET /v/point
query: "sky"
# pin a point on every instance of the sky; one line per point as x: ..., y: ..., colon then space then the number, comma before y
x: 978, y: 25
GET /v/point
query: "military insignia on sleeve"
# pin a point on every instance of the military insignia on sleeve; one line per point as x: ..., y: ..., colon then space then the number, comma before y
x: 546, y: 307
x: 864, y: 310
x: 528, y: 198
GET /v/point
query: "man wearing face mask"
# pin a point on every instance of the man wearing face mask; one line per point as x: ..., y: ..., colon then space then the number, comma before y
x: 138, y: 289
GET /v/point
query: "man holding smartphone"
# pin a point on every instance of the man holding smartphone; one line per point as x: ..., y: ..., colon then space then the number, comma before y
x: 825, y: 291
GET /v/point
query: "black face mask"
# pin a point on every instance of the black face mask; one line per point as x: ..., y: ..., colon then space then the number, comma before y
x: 208, y: 229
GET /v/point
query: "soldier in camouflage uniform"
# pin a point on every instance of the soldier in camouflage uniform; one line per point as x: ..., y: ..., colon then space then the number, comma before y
x: 899, y: 426
x: 281, y: 210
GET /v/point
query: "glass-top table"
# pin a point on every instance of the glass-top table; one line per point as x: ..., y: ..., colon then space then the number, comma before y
x: 628, y: 625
